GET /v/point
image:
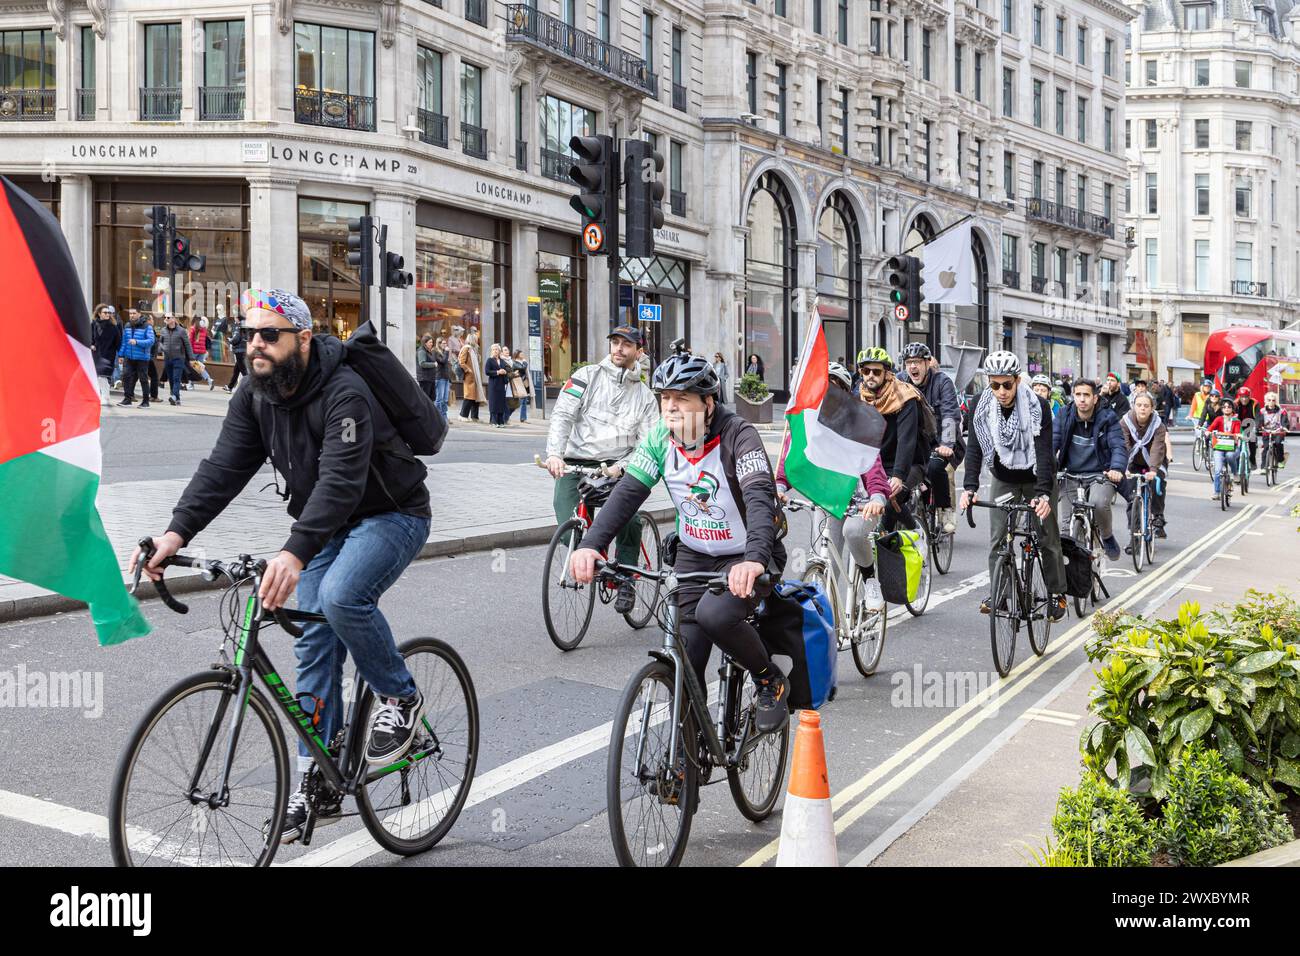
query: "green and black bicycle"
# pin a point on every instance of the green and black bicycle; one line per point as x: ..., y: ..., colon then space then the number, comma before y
x: 204, y: 780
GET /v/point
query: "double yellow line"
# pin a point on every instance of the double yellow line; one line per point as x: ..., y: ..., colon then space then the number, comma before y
x: 969, y: 716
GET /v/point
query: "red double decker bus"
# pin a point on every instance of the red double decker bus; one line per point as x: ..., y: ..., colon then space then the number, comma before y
x: 1264, y: 360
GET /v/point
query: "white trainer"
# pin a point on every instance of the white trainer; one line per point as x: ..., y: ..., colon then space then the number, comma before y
x: 875, y: 600
x: 949, y: 521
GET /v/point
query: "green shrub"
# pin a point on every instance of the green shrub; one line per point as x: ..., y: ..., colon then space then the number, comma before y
x: 1099, y: 825
x: 752, y: 387
x: 1228, y: 679
x: 1211, y: 815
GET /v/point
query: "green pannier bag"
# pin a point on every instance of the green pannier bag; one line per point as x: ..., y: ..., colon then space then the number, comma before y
x: 913, y: 558
x: 898, y: 565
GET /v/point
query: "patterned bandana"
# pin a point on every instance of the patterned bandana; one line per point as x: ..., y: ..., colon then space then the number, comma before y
x: 280, y: 302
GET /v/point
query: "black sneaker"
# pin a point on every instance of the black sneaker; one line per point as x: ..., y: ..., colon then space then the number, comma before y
x: 1056, y: 608
x: 1160, y: 531
x: 773, y: 709
x: 126, y: 403
x: 172, y: 401
x: 392, y: 728
x: 626, y: 599
x: 329, y: 809
x: 1111, y: 547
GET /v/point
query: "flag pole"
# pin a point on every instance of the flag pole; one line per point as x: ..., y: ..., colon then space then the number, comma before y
x: 926, y: 242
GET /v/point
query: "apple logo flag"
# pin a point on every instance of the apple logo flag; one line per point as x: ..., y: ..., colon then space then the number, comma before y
x: 948, y: 269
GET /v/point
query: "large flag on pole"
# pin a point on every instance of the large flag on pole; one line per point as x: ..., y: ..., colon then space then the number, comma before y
x: 834, y: 437
x: 50, y: 532
x: 948, y: 272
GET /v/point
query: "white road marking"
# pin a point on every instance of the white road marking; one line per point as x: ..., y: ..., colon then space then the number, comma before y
x: 1051, y: 720
x: 1052, y: 713
x: 1196, y: 587
x: 1229, y: 557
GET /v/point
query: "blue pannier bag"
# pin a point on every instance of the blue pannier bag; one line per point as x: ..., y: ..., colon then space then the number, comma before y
x: 812, y: 676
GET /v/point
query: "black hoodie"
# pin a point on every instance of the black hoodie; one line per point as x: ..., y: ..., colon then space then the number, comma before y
x: 341, y: 462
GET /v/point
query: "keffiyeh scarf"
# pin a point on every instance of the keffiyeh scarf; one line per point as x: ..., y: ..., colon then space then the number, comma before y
x: 1010, y: 437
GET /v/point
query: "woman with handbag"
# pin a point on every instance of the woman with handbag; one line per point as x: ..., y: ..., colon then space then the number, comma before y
x: 105, y: 340
x: 498, y: 375
x: 468, y: 361
x: 522, y: 385
x: 426, y: 365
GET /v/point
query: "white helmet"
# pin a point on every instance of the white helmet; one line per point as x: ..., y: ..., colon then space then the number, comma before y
x: 1002, y: 363
x: 839, y: 372
x: 1041, y: 379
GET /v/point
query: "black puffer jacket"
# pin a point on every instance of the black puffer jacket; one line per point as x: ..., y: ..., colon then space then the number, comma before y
x: 339, y: 456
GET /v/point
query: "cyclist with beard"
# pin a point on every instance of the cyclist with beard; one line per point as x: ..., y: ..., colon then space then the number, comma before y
x: 704, y: 452
x: 361, y: 514
x: 904, y: 451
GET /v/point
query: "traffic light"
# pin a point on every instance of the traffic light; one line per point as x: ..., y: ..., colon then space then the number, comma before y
x: 394, y: 277
x: 361, y: 249
x: 904, y: 276
x: 597, y: 180
x: 183, y: 260
x: 159, y: 218
x: 645, y: 193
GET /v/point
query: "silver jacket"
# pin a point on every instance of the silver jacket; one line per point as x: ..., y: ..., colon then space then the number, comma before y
x: 601, y: 413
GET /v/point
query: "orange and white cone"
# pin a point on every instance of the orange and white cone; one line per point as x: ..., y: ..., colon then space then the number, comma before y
x: 807, y: 824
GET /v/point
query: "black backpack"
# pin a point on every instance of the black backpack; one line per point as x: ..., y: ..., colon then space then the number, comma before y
x: 1078, y: 567
x: 412, y: 412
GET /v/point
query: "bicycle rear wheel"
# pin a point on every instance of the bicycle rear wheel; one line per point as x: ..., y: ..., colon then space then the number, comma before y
x: 1004, y: 616
x: 410, y: 805
x: 756, y: 779
x: 566, y: 605
x: 1244, y: 471
x: 152, y: 820
x: 1039, y: 624
x: 1198, y: 453
x: 941, y: 548
x: 648, y: 590
x: 1270, y: 471
x: 1137, y: 544
x: 650, y: 803
x: 917, y: 607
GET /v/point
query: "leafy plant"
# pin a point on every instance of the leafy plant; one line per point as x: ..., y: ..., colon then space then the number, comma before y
x: 1230, y: 680
x: 1099, y: 825
x: 753, y: 388
x: 1053, y: 854
x: 1211, y: 815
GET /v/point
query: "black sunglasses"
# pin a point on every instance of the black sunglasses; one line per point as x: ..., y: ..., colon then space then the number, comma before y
x: 1002, y: 386
x: 270, y: 335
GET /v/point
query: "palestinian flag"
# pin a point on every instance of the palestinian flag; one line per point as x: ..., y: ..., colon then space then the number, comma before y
x: 834, y: 437
x: 50, y: 532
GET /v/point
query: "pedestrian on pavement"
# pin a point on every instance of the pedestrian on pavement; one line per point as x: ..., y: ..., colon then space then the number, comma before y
x: 471, y: 367
x: 138, y: 341
x: 498, y: 380
x: 105, y: 339
x: 754, y: 365
x: 522, y: 384
x: 177, y: 353
x: 454, y: 344
x: 153, y: 368
x: 441, y: 375
x: 426, y: 366
x: 200, y: 342
x: 724, y: 378
x: 238, y: 349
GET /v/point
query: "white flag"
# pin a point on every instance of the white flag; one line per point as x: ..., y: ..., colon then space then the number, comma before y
x: 948, y: 272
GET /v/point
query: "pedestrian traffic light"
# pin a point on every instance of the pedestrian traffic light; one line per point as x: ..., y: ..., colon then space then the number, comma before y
x: 904, y: 276
x: 597, y: 180
x: 645, y: 193
x: 394, y: 277
x: 361, y: 249
x: 156, y: 228
x: 183, y: 260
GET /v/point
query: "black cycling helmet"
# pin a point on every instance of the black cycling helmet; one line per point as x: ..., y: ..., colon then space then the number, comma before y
x: 686, y: 373
x: 915, y: 350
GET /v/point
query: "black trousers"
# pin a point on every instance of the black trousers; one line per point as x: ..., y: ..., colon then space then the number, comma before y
x: 133, y: 370
x: 936, y: 476
x: 153, y: 380
x: 240, y: 369
x: 469, y: 409
x: 705, y: 619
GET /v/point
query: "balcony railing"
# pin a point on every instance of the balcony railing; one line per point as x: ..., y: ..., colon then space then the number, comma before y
x: 335, y: 110
x: 85, y: 104
x: 1011, y: 278
x: 525, y: 24
x: 26, y: 104
x: 1069, y: 217
x: 677, y: 202
x: 476, y: 12
x: 1244, y: 287
x: 433, y: 128
x: 555, y: 165
x: 221, y: 102
x: 161, y: 103
x: 473, y: 140
x: 521, y: 155
x: 1041, y: 285
x: 679, y: 97
x: 1037, y: 284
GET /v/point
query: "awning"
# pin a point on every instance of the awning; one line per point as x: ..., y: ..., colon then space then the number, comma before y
x: 1184, y: 364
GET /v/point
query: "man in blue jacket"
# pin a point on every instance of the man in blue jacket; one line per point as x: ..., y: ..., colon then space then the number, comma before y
x: 1088, y: 443
x: 137, y: 355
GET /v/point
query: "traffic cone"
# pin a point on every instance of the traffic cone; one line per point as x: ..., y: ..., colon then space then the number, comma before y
x: 807, y: 825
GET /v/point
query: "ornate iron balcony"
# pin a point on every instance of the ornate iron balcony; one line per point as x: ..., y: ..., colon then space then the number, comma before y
x: 221, y: 102
x: 1243, y: 287
x: 473, y: 140
x: 26, y: 104
x: 433, y: 127
x: 1069, y: 217
x: 677, y: 202
x: 1011, y: 278
x: 85, y: 104
x: 161, y: 103
x: 336, y: 110
x: 551, y: 34
x: 556, y: 165
x: 521, y: 155
x: 679, y: 97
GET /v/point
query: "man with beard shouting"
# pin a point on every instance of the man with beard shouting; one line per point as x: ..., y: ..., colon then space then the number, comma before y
x: 906, y: 449
x: 361, y: 514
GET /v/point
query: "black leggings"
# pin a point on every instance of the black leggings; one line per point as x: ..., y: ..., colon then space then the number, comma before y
x: 240, y: 369
x: 936, y: 476
x: 469, y: 409
x: 705, y: 619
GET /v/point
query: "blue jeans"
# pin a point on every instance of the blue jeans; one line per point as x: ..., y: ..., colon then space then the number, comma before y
x: 344, y: 582
x: 1220, y: 459
x: 442, y: 394
x: 523, y: 409
x: 175, y: 375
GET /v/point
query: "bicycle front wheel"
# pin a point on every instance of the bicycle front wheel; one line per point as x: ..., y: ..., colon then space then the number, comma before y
x: 759, y: 769
x: 159, y: 814
x: 566, y: 604
x: 941, y: 544
x: 867, y: 633
x: 1198, y: 453
x: 1040, y: 608
x: 649, y: 558
x: 1136, y: 543
x: 410, y: 805
x: 917, y: 606
x: 650, y: 801
x: 1004, y: 616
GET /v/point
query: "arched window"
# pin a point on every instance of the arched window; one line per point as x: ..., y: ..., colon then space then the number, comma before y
x: 770, y: 282
x: 839, y: 277
x: 972, y: 321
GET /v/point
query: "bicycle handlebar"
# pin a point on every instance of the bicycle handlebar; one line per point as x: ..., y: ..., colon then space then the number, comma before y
x: 716, y: 583
x: 584, y: 470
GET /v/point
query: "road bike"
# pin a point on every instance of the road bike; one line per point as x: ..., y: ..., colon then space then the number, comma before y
x: 1272, y: 455
x: 1083, y: 529
x: 1018, y: 595
x: 858, y: 628
x: 1202, y: 456
x: 940, y: 541
x: 665, y: 745
x: 567, y: 605
x: 1142, y: 532
x: 204, y: 779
